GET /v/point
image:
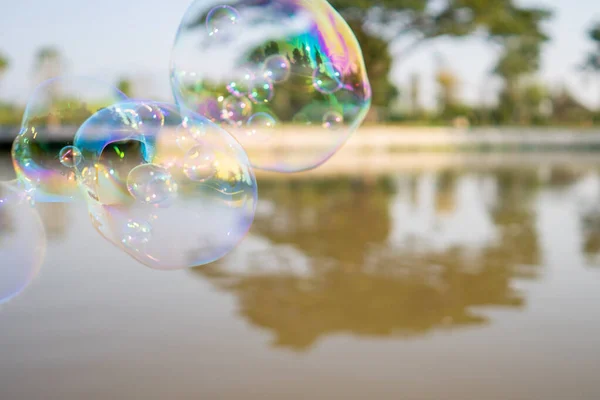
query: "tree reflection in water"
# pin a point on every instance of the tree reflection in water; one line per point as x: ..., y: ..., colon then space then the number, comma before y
x: 332, y: 260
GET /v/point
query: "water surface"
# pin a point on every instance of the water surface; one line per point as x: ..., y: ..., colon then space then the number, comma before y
x: 445, y: 283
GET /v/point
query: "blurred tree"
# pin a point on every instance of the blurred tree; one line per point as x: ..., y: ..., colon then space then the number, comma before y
x: 592, y: 61
x: 422, y: 20
x: 125, y: 86
x: 520, y: 57
x: 48, y: 63
x: 415, y: 94
x: 3, y: 64
x: 378, y: 23
x: 448, y: 83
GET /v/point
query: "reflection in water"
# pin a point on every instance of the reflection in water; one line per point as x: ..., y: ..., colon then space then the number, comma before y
x: 392, y: 257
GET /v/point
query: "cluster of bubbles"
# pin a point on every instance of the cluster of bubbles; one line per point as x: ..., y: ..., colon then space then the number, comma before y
x: 172, y: 185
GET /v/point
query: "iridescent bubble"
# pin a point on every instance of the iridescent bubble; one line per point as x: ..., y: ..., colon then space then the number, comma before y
x: 333, y: 120
x: 22, y: 241
x: 236, y: 110
x: 187, y: 136
x: 151, y: 184
x: 150, y: 117
x: 167, y: 207
x: 327, y: 79
x: 220, y: 18
x: 199, y: 163
x: 69, y: 156
x: 239, y: 87
x: 277, y: 68
x: 261, y: 126
x: 136, y: 234
x: 261, y: 90
x: 53, y: 113
x: 302, y: 61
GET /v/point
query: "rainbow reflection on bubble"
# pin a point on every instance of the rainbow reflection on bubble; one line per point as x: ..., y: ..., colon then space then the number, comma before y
x: 168, y: 202
x: 294, y: 60
x: 42, y: 152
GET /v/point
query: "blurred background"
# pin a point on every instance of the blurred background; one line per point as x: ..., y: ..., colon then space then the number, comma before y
x: 451, y: 250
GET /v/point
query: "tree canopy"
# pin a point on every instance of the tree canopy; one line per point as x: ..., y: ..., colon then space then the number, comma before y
x: 517, y: 30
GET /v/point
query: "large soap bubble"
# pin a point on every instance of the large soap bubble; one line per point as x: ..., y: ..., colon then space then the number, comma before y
x: 22, y: 241
x: 176, y: 194
x: 286, y: 77
x: 42, y: 153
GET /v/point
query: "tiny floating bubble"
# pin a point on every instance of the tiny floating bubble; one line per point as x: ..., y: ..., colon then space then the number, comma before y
x: 333, y: 120
x: 261, y: 90
x: 327, y: 79
x: 151, y: 184
x: 261, y: 126
x: 277, y: 68
x: 219, y: 18
x: 70, y: 156
x: 136, y: 234
x: 199, y: 163
x: 236, y: 110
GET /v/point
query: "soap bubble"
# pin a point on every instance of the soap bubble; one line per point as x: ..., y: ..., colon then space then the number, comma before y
x: 261, y: 90
x: 69, y: 156
x: 53, y: 113
x: 333, y: 120
x: 22, y: 241
x: 220, y: 18
x: 168, y: 207
x: 327, y: 79
x: 277, y: 68
x: 152, y: 184
x: 199, y: 163
x: 136, y: 235
x: 296, y: 61
x: 261, y: 127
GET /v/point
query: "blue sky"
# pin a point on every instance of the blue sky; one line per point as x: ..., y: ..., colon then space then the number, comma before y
x: 112, y: 38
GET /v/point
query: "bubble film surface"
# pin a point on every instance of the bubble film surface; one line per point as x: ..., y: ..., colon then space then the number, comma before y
x: 42, y: 153
x: 296, y: 61
x: 178, y: 196
x: 22, y: 241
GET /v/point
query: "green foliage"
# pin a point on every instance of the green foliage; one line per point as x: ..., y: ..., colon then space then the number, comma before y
x: 4, y: 63
x: 592, y: 61
x: 517, y: 29
x: 125, y: 86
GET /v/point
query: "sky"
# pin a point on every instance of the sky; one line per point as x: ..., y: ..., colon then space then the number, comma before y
x: 110, y: 39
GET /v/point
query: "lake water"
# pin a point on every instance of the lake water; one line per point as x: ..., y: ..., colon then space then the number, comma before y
x: 447, y: 283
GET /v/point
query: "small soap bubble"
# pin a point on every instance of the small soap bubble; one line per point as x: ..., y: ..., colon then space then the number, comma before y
x: 70, y: 156
x: 186, y: 136
x: 151, y: 118
x: 333, y: 120
x: 151, y: 184
x: 327, y: 79
x: 136, y: 234
x: 277, y: 68
x: 239, y: 86
x: 220, y: 18
x: 261, y: 126
x: 236, y: 110
x: 199, y: 163
x: 261, y: 90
